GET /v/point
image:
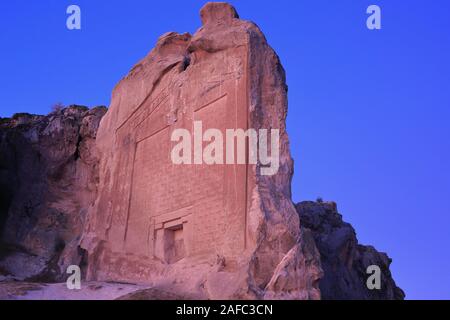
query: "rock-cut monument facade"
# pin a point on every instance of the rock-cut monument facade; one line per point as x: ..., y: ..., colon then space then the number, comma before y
x: 100, y: 188
x: 210, y: 231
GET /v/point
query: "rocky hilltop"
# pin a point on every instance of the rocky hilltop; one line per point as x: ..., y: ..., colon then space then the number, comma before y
x: 97, y: 188
x: 343, y: 260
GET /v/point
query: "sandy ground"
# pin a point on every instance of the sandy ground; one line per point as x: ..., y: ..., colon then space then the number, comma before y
x: 59, y: 291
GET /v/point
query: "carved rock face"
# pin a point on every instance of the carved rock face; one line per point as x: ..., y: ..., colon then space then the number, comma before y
x: 217, y: 231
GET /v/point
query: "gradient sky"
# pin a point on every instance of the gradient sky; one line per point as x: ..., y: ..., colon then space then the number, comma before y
x: 368, y: 110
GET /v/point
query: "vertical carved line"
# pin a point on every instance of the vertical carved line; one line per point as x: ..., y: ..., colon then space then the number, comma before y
x: 130, y: 194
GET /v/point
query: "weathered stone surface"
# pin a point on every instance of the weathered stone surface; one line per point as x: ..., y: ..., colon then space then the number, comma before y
x: 104, y: 194
x: 47, y: 181
x: 344, y: 261
x: 217, y: 231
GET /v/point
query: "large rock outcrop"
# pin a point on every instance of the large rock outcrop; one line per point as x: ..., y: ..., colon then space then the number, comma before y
x: 211, y: 231
x: 101, y: 189
x: 48, y: 179
x: 343, y: 260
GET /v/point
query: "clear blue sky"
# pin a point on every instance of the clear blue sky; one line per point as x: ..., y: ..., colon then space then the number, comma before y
x: 369, y: 110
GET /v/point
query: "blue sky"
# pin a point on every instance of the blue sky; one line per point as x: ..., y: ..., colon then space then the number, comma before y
x: 368, y: 110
